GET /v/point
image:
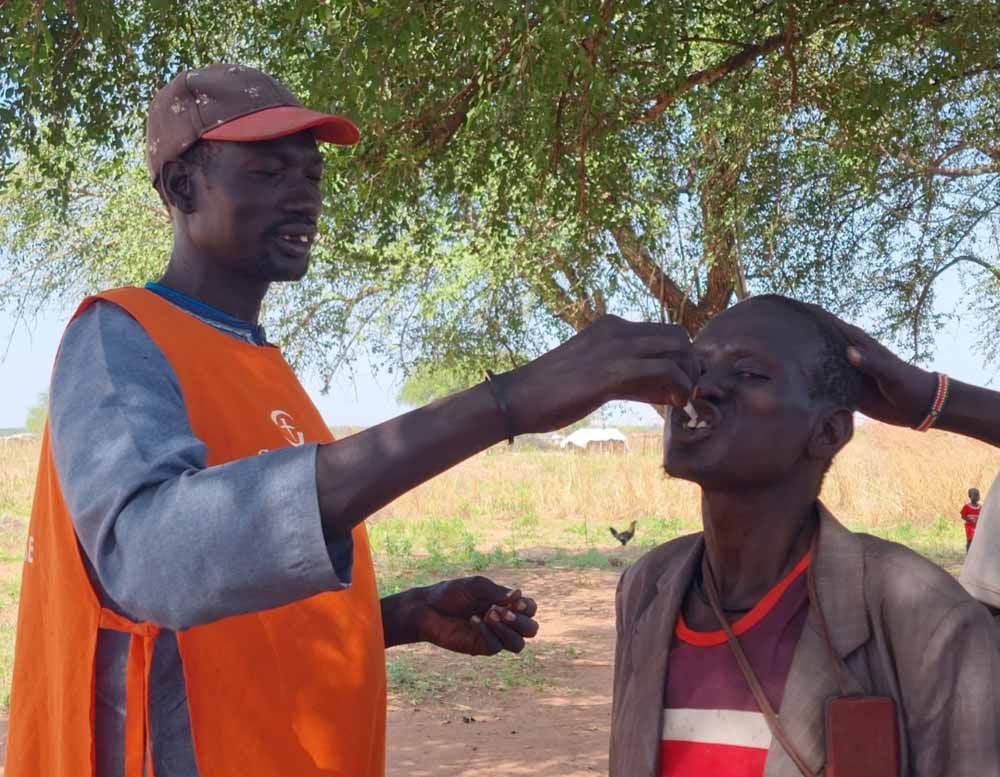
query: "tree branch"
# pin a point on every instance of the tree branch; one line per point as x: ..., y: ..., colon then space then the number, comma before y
x: 577, y: 313
x: 720, y: 248
x: 946, y: 172
x: 750, y: 52
x: 720, y: 41
x: 922, y: 299
x: 456, y: 108
x: 668, y: 97
x: 663, y: 288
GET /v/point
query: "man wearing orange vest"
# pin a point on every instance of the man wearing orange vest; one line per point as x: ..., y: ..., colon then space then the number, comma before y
x: 198, y: 594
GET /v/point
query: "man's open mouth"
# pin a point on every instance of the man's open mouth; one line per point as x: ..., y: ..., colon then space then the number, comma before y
x: 695, y: 423
x: 296, y: 238
x: 296, y: 234
x: 295, y: 242
x: 697, y: 420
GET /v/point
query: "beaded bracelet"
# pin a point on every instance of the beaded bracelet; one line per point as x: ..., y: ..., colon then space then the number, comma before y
x: 498, y: 396
x: 940, y: 398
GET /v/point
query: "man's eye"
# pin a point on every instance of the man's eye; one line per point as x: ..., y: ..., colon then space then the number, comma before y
x: 748, y: 375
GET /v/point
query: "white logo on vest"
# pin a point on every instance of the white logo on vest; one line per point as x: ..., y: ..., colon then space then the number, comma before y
x: 283, y: 421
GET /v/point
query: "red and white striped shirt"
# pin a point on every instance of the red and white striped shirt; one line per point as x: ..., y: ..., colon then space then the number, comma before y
x: 711, y: 722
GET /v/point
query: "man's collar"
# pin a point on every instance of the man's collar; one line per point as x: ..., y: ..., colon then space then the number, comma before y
x: 206, y: 312
x: 840, y: 584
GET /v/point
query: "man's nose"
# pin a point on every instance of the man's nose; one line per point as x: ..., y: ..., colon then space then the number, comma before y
x: 304, y: 200
x: 709, y: 384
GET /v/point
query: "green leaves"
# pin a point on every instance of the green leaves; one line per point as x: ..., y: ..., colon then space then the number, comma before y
x: 836, y: 151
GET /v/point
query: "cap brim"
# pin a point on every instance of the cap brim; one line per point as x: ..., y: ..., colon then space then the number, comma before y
x: 283, y: 120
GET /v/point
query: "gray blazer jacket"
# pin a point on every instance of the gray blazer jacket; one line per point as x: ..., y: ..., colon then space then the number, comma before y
x: 902, y: 625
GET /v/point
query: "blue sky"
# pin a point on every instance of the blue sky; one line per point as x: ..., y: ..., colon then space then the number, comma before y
x: 26, y: 358
x: 25, y: 371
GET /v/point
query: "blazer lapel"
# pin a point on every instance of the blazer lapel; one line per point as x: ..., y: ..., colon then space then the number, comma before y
x: 811, y: 682
x: 813, y: 677
x: 648, y: 655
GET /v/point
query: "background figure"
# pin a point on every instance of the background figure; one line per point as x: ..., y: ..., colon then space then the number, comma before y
x: 981, y: 571
x: 970, y: 514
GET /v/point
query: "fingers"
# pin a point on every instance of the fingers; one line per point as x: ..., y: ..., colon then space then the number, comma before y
x: 864, y: 352
x: 660, y: 345
x: 491, y: 642
x: 483, y: 590
x: 519, y: 603
x: 879, y: 363
x: 491, y: 593
x: 522, y: 624
x: 656, y: 381
x: 509, y: 628
x: 680, y: 352
x: 855, y: 335
x: 648, y: 340
x: 851, y: 332
x: 522, y: 605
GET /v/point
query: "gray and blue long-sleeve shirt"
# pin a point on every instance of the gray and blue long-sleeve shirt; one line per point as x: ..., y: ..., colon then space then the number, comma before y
x: 135, y: 480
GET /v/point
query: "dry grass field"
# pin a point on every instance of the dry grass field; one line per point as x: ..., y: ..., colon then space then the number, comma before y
x: 541, y: 519
x: 554, y: 506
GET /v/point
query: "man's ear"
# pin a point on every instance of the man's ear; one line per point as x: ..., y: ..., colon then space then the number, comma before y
x: 177, y: 185
x: 833, y: 430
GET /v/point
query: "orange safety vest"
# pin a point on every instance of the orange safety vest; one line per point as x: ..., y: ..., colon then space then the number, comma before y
x: 297, y: 691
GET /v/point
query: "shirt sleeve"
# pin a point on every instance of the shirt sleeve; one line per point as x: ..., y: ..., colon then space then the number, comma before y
x: 169, y: 539
x: 954, y: 714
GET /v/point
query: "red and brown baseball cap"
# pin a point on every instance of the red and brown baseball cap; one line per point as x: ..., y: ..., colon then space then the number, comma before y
x: 230, y: 102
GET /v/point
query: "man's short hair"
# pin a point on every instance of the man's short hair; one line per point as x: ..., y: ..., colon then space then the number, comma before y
x: 201, y: 154
x: 832, y: 377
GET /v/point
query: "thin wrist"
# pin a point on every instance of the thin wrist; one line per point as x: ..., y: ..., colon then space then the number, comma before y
x: 402, y: 620
x: 512, y: 384
x: 952, y: 416
x: 497, y: 384
x: 942, y: 391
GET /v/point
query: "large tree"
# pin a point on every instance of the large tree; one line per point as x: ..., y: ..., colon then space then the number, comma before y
x: 528, y: 166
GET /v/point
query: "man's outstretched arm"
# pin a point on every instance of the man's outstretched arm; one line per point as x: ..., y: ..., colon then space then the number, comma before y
x: 612, y: 359
x: 173, y: 541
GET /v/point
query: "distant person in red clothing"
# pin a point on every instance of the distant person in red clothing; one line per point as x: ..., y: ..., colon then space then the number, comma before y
x: 970, y: 514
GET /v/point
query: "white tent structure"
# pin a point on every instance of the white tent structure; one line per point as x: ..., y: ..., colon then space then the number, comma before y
x: 595, y: 439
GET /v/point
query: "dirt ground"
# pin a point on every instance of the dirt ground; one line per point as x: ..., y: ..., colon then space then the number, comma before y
x: 559, y: 730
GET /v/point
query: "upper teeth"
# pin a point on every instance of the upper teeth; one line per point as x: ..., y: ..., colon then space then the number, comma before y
x: 694, y: 423
x: 300, y: 238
